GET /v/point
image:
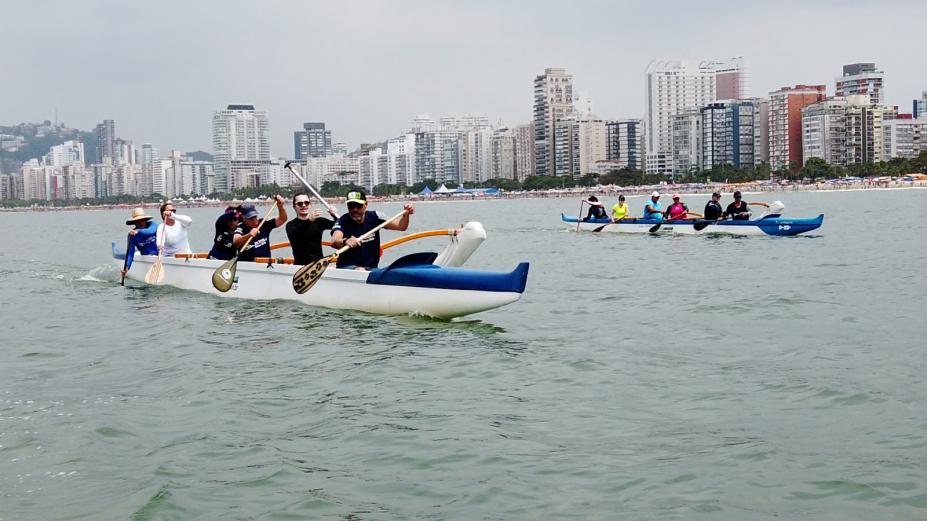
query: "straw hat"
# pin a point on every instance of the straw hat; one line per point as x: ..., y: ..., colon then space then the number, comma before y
x: 138, y: 214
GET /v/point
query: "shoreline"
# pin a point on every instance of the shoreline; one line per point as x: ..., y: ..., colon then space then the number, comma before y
x: 565, y: 193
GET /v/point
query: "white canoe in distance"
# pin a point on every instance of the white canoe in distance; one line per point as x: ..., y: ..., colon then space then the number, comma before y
x: 413, y: 285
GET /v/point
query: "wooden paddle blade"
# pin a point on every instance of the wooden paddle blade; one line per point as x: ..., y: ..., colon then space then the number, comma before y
x: 155, y: 274
x: 224, y: 276
x: 308, y: 275
x: 701, y: 226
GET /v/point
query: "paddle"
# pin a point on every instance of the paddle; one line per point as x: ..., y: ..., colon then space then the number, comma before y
x: 309, y: 186
x: 224, y: 276
x: 155, y: 274
x: 125, y: 263
x: 308, y: 275
x: 654, y: 228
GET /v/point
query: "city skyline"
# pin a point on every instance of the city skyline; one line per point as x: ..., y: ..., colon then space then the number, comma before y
x: 373, y: 75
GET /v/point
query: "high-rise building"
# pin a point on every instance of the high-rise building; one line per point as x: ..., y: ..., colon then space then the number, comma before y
x: 106, y: 140
x: 673, y: 86
x: 475, y: 152
x: 424, y: 123
x: 785, y: 134
x: 920, y: 106
x: 437, y: 156
x: 400, y: 153
x: 65, y: 154
x: 463, y: 123
x: 733, y: 133
x: 859, y: 79
x: 241, y: 147
x: 845, y: 130
x: 312, y: 141
x: 524, y: 151
x: 553, y: 101
x: 904, y: 137
x: 625, y: 143
x: 687, y: 140
x: 503, y: 154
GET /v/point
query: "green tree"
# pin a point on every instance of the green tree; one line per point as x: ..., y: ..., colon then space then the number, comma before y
x: 817, y: 167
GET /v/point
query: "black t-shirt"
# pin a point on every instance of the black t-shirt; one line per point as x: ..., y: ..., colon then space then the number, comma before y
x: 222, y: 247
x: 260, y: 245
x: 596, y: 212
x: 367, y: 255
x: 305, y: 238
x: 713, y: 211
x: 738, y: 214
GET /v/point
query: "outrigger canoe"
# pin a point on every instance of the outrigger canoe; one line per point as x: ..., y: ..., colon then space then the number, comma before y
x: 767, y: 224
x: 427, y: 283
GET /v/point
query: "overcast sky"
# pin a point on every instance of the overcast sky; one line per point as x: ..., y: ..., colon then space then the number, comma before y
x: 367, y: 68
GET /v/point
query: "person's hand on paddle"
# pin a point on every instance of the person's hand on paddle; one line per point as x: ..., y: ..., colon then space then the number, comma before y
x: 352, y: 242
x: 333, y: 213
x: 409, y: 208
x: 280, y: 200
x: 133, y: 232
x: 253, y: 232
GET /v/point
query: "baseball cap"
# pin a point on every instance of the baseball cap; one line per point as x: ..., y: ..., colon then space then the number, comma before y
x: 655, y: 194
x: 716, y: 194
x: 356, y: 196
x: 675, y: 196
x: 248, y: 211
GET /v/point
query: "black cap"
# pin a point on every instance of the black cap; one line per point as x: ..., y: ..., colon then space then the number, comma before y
x: 737, y: 194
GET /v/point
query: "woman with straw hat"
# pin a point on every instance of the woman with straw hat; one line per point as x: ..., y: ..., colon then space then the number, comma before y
x: 142, y: 238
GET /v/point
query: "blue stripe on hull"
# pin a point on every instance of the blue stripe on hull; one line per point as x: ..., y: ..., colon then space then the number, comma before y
x: 432, y: 276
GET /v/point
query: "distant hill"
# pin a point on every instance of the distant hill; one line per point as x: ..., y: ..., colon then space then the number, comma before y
x: 199, y: 155
x: 20, y: 143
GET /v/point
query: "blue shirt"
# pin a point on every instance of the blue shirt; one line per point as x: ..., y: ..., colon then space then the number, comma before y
x: 367, y: 255
x: 260, y: 245
x: 145, y: 241
x: 657, y: 210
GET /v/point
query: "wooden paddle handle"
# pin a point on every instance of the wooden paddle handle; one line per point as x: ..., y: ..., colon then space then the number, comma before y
x: 370, y: 233
x: 266, y: 215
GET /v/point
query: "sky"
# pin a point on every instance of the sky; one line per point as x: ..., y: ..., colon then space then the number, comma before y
x: 367, y: 68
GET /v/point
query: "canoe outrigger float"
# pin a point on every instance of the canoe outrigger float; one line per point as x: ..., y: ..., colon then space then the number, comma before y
x: 427, y: 283
x: 770, y: 223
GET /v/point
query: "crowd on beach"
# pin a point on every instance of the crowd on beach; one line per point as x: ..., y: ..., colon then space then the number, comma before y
x: 239, y: 233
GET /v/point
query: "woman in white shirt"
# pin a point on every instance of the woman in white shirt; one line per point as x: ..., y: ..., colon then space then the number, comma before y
x: 173, y: 232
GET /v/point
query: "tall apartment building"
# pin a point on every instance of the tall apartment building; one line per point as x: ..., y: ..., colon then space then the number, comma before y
x: 525, y: 163
x: 904, y: 137
x: 862, y: 79
x: 785, y: 134
x: 503, y: 154
x: 733, y: 133
x: 241, y: 147
x: 687, y: 140
x: 6, y: 187
x: 106, y: 140
x: 312, y: 141
x: 919, y: 108
x: 65, y: 154
x: 625, y: 143
x: 553, y: 101
x: 579, y: 144
x: 370, y: 168
x: 845, y: 130
x: 475, y: 153
x: 673, y: 86
x: 437, y: 156
x: 400, y: 153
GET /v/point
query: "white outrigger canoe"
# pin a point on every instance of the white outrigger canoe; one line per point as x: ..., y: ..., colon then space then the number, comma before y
x: 426, y: 284
x: 770, y: 223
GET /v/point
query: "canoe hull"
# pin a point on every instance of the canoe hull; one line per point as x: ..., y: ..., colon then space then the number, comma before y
x: 344, y: 289
x: 771, y: 226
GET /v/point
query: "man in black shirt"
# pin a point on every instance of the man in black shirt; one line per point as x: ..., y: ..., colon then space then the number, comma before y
x: 713, y: 209
x: 737, y: 210
x: 305, y: 231
x: 596, y: 209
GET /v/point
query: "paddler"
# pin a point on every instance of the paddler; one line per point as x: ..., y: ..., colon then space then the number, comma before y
x: 653, y: 210
x: 143, y: 237
x: 363, y: 255
x: 620, y: 210
x: 677, y: 210
x: 596, y: 209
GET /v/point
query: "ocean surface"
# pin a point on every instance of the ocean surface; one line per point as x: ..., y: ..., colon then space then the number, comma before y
x: 639, y: 377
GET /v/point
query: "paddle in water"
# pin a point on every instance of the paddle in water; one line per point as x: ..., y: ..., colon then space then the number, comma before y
x: 155, y: 274
x: 224, y: 276
x: 308, y: 275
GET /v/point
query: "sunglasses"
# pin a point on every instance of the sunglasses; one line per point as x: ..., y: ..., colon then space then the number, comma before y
x: 301, y: 203
x: 355, y: 206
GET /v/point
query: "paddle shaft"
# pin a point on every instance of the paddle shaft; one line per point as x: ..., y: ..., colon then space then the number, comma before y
x: 311, y: 189
x: 125, y: 263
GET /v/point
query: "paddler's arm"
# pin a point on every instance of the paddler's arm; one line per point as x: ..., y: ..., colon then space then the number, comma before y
x: 281, y: 212
x: 184, y: 220
x: 402, y: 224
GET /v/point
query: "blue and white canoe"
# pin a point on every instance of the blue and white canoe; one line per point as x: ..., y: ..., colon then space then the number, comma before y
x: 424, y: 284
x: 767, y: 224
